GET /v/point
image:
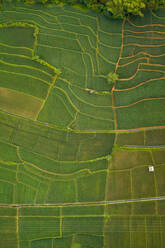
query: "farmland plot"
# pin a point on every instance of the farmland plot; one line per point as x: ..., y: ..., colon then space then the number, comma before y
x: 70, y: 143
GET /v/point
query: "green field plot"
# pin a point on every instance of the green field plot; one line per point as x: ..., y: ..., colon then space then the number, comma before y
x: 53, y: 109
x: 21, y: 77
x: 89, y: 123
x: 10, y: 212
x: 96, y: 183
x: 153, y: 235
x: 88, y: 241
x: 149, y: 90
x: 24, y: 79
x: 129, y: 158
x: 136, y: 138
x: 87, y: 235
x: 38, y: 227
x: 82, y: 225
x: 63, y: 242
x: 139, y: 78
x: 141, y: 71
x: 81, y: 39
x: 8, y: 233
x: 159, y: 155
x: 139, y: 114
x: 143, y: 184
x: 162, y: 221
x: 27, y: 65
x: 5, y: 132
x: 161, y: 208
x: 134, y: 208
x: 76, y: 111
x: 42, y: 223
x: 159, y: 172
x: 42, y: 163
x: 144, y: 41
x: 83, y: 210
x: 24, y: 83
x: 23, y: 138
x: 144, y: 208
x: 43, y: 211
x: 7, y: 173
x: 24, y: 177
x: 61, y: 191
x: 6, y: 192
x: 118, y: 209
x: 100, y: 145
x: 80, y: 240
x: 19, y: 103
x: 12, y: 50
x: 11, y: 155
x: 137, y: 228
x: 76, y: 146
x: 130, y: 68
x: 30, y: 184
x: 119, y: 185
x: 11, y: 36
x: 61, y: 145
x: 42, y: 243
x: 9, y: 120
x: 117, y: 232
x: 24, y: 193
x: 155, y: 137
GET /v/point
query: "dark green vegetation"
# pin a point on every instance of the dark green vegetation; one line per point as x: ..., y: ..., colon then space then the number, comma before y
x: 112, y: 8
x: 68, y: 136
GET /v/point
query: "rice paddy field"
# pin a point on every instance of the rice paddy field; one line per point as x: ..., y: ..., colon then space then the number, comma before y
x: 75, y: 151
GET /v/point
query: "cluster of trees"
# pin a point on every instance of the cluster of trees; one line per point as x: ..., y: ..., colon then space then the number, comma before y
x: 124, y: 8
x: 115, y: 8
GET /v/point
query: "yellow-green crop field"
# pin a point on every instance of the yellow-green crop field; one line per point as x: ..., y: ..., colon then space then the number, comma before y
x: 75, y: 151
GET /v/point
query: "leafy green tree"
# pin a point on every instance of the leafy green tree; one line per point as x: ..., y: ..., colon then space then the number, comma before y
x: 115, y: 8
x: 122, y: 8
x: 112, y: 77
x: 155, y: 4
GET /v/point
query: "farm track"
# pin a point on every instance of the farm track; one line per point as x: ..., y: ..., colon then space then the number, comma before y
x: 85, y: 203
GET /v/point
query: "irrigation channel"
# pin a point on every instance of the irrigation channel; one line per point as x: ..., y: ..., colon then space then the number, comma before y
x: 158, y: 198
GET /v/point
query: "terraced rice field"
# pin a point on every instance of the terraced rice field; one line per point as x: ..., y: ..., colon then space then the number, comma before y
x: 65, y: 152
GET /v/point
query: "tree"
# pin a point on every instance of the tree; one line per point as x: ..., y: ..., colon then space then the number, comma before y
x: 122, y: 8
x: 113, y: 8
x: 112, y: 77
x: 154, y: 4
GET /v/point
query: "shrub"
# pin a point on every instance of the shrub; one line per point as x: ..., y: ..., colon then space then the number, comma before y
x: 112, y: 77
